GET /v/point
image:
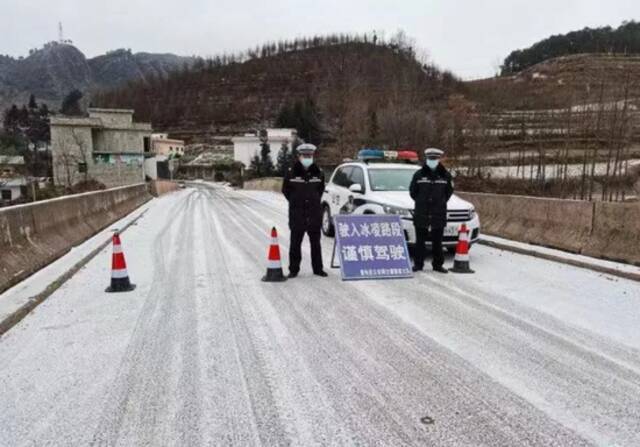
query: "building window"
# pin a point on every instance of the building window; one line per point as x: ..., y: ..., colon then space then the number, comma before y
x: 103, y: 159
x: 82, y: 167
x: 6, y: 194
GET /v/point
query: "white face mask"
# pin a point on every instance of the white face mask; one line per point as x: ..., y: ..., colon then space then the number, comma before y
x: 306, y: 162
x: 433, y: 164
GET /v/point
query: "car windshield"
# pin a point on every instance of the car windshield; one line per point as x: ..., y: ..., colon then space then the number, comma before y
x: 390, y: 179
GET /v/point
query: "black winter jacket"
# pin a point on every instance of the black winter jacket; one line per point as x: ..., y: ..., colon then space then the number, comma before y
x: 303, y: 189
x: 431, y: 191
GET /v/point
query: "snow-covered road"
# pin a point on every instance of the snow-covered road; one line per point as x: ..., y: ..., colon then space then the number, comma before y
x: 524, y: 352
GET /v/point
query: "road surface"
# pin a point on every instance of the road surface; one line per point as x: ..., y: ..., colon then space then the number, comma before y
x: 526, y: 352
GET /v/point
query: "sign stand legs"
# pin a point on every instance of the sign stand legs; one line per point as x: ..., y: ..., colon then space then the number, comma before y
x: 333, y: 255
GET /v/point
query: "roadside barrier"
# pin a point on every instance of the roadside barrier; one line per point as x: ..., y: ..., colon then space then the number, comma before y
x: 119, y: 275
x: 461, y: 259
x: 274, y: 264
x: 35, y: 234
x: 599, y: 229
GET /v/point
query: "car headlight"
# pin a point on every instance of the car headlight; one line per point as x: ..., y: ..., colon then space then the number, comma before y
x: 388, y: 209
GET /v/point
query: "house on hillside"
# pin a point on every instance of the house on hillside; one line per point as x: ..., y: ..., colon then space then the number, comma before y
x: 249, y: 145
x: 107, y: 146
x: 12, y: 166
x: 161, y: 162
x: 161, y: 144
x: 12, y: 178
x: 11, y: 189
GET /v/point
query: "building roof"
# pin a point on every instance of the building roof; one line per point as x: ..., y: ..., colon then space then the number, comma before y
x: 11, y: 160
x: 102, y: 110
x: 274, y: 134
x: 256, y: 139
x: 281, y: 132
x: 13, y: 182
x: 75, y: 121
x: 96, y: 123
x: 166, y: 140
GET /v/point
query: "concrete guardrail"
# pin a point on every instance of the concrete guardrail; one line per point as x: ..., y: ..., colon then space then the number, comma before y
x: 35, y: 234
x: 598, y: 229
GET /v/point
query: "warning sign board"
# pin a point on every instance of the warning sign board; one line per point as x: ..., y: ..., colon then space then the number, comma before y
x: 371, y: 247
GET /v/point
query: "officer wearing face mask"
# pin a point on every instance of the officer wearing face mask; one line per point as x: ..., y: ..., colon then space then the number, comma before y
x: 303, y: 186
x: 431, y: 188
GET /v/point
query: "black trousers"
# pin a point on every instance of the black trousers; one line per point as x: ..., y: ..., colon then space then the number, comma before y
x: 436, y: 245
x: 295, y: 252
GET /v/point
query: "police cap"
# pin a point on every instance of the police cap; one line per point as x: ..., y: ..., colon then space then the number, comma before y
x: 306, y: 149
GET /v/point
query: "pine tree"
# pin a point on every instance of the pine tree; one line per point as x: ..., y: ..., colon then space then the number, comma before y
x: 303, y: 116
x: 71, y: 104
x: 285, y: 159
x: 255, y: 166
x: 266, y: 164
x: 32, y: 102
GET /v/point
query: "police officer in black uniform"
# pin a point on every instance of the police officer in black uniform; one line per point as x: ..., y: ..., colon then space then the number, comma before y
x: 303, y: 186
x: 431, y: 188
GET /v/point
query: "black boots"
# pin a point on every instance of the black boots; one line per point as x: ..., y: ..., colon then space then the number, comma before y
x: 440, y: 269
x: 321, y: 273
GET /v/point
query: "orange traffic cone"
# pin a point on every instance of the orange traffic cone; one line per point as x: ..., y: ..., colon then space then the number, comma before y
x: 274, y: 265
x: 119, y: 276
x: 461, y: 259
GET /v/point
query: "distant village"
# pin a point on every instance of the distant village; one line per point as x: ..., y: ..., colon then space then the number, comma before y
x: 108, y: 149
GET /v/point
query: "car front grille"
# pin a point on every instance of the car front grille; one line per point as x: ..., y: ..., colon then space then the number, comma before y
x: 452, y: 216
x: 458, y: 215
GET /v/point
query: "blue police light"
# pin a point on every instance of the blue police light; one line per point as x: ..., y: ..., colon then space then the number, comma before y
x: 371, y: 154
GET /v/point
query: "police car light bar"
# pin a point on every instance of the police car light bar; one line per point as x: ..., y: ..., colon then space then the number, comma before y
x: 367, y: 155
x: 407, y: 155
x: 370, y: 154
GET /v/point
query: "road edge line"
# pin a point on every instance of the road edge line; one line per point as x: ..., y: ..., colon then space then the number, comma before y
x: 560, y: 259
x: 19, y: 314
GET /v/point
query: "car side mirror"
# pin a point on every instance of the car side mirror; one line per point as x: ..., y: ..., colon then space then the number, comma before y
x: 356, y: 187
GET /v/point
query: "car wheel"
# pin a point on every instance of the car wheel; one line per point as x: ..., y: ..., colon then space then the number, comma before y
x: 327, y: 224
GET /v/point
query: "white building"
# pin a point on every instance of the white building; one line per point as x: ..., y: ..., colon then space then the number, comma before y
x: 248, y: 146
x: 11, y: 189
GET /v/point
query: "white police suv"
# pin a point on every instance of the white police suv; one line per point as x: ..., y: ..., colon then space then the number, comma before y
x: 374, y: 185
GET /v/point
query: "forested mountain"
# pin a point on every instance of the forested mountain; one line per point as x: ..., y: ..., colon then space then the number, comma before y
x: 622, y: 40
x: 53, y: 71
x: 363, y: 91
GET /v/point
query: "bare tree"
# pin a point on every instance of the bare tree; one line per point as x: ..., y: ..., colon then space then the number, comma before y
x: 72, y: 155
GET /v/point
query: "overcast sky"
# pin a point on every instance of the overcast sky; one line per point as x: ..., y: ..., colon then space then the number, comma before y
x: 469, y: 37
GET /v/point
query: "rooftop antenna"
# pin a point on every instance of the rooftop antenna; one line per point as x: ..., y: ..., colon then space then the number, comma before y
x: 60, y: 33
